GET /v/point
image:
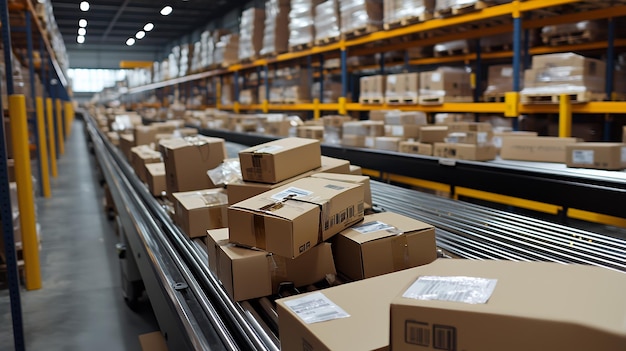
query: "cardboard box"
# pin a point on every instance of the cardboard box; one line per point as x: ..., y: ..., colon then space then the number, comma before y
x: 248, y: 273
x: 548, y: 308
x: 187, y: 161
x: 214, y: 239
x: 542, y: 149
x: 127, y: 142
x: 141, y: 156
x: 311, y: 132
x: 387, y: 143
x: 155, y: 178
x: 407, y: 131
x: 153, y: 342
x: 433, y: 134
x: 498, y: 136
x: 447, y: 82
x: 185, y: 132
x: 354, y: 179
x: 240, y: 191
x: 353, y: 140
x: 469, y: 127
x: 291, y: 219
x: 198, y: 211
x: 609, y: 156
x: 413, y: 147
x: 144, y: 135
x: 364, y: 128
x: 378, y: 115
x: 383, y: 243
x: 470, y: 152
x: 469, y: 137
x: 398, y: 118
x: 280, y: 159
x: 113, y: 137
x: 356, y: 170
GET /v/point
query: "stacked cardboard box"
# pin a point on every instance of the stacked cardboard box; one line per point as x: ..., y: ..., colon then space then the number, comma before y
x: 404, y: 125
x: 333, y: 128
x: 200, y: 210
x: 155, y: 178
x: 372, y: 89
x: 227, y: 50
x: 499, y: 81
x: 445, y: 84
x: 362, y: 133
x: 411, y: 11
x: 276, y: 30
x: 141, y: 156
x: 541, y: 149
x: 402, y: 88
x: 311, y: 132
x: 251, y: 30
x: 330, y: 94
x: 360, y: 16
x: 327, y: 25
x: 467, y: 141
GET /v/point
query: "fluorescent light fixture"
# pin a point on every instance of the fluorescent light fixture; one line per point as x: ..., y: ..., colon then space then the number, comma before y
x: 148, y: 27
x: 166, y: 10
x: 82, y: 31
x: 80, y: 39
x: 140, y: 34
x: 84, y: 6
x: 82, y: 23
x: 130, y: 41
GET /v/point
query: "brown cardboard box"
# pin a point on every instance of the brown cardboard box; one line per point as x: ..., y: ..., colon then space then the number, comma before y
x: 387, y: 143
x: 609, y: 156
x: 356, y: 170
x: 542, y: 149
x: 398, y: 118
x: 433, y: 134
x: 214, y: 239
x: 498, y: 136
x: 141, y: 156
x: 383, y: 243
x: 280, y: 159
x: 378, y: 115
x: 469, y: 127
x: 537, y: 299
x: 470, y: 152
x: 155, y: 178
x: 248, y: 273
x: 198, y: 211
x: 311, y: 132
x: 469, y: 137
x: 291, y: 219
x: 402, y: 88
x: 127, y: 142
x: 446, y: 82
x: 413, y: 147
x: 113, y: 137
x: 407, y: 131
x: 354, y: 179
x: 185, y: 132
x: 364, y: 128
x: 240, y: 191
x: 144, y: 135
x: 153, y: 342
x: 353, y: 140
x: 188, y: 159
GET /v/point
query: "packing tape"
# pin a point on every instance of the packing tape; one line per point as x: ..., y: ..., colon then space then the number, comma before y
x: 400, y: 252
x: 259, y: 231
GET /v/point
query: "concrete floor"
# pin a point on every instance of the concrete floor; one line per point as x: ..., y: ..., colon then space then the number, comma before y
x: 80, y: 306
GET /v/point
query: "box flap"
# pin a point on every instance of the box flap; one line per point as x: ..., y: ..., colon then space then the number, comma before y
x: 383, y: 225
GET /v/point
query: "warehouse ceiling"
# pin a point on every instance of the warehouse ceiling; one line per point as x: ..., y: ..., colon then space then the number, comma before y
x: 111, y: 22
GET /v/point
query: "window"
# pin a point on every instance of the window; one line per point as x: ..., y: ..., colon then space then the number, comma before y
x: 94, y: 80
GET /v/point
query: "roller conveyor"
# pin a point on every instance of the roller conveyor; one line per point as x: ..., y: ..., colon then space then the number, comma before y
x: 194, y: 311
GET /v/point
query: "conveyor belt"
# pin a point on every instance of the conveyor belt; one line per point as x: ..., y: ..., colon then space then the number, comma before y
x: 181, y: 287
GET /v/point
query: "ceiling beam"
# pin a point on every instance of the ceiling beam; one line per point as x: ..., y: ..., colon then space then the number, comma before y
x: 114, y: 20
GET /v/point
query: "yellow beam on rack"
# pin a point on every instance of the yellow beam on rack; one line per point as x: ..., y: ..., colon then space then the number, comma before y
x: 508, y: 200
x: 426, y: 184
x: 59, y: 117
x: 565, y: 116
x: 612, y: 107
x: 26, y: 202
x: 136, y: 64
x: 371, y: 173
x: 596, y: 217
x: 472, y: 107
x: 43, y: 148
x: 51, y: 138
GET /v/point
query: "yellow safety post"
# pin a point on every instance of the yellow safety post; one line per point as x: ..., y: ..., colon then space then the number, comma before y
x: 43, y: 148
x: 60, y: 127
x: 316, y: 109
x: 265, y: 106
x: 25, y: 195
x: 565, y: 116
x: 343, y: 108
x: 52, y: 142
x: 236, y: 107
x: 511, y: 104
x: 69, y: 118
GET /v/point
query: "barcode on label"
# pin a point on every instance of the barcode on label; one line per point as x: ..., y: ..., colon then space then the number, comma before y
x: 417, y: 333
x: 291, y: 191
x: 315, y: 307
x: 339, y: 217
x: 334, y: 187
x: 583, y: 157
x: 444, y: 337
x: 256, y: 161
x: 458, y: 289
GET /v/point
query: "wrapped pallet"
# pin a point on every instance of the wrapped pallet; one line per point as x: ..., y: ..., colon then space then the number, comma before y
x: 301, y: 23
x: 446, y: 84
x: 251, y: 33
x: 360, y: 16
x: 404, y: 12
x: 327, y: 25
x: 499, y: 81
x: 573, y: 33
x: 276, y: 30
x: 227, y: 50
x: 456, y: 7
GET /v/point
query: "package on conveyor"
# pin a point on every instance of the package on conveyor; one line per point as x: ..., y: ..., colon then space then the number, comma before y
x: 416, y: 148
x: 141, y: 156
x: 372, y: 89
x: 445, y: 84
x: 200, y: 210
x: 276, y: 30
x: 360, y: 16
x: 251, y: 30
x: 301, y: 22
x: 353, y: 179
x: 155, y: 178
x: 362, y: 133
x: 292, y: 219
x: 551, y: 75
x: 333, y: 128
x: 599, y: 155
x: 467, y: 141
x: 458, y: 300
x: 226, y: 50
x: 577, y: 32
x: 404, y: 124
x: 402, y: 88
x: 311, y: 132
x: 247, y: 273
x: 536, y: 148
x: 396, y: 11
x: 187, y: 161
x: 326, y: 22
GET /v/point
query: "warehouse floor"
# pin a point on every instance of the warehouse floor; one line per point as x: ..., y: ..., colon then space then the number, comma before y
x: 80, y: 306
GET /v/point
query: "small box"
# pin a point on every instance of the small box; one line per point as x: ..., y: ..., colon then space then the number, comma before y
x: 364, y: 128
x: 141, y: 156
x: 354, y: 179
x: 249, y: 273
x: 398, y: 118
x: 291, y: 219
x: 433, y: 134
x: 383, y: 243
x: 214, y: 239
x: 407, y: 131
x: 541, y: 149
x: 198, y: 211
x: 378, y: 115
x: 469, y: 127
x: 311, y: 132
x: 413, y: 147
x: 280, y: 159
x: 477, y: 138
x: 127, y: 142
x: 387, y: 143
x: 498, y: 136
x: 609, y: 156
x: 503, y: 298
x: 353, y: 140
x: 471, y: 152
x: 155, y: 178
x: 113, y: 137
x: 144, y: 135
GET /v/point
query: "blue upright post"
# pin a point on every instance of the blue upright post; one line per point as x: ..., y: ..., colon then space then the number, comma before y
x: 478, y: 72
x: 6, y: 213
x: 344, y: 73
x: 236, y: 86
x: 517, y: 56
x: 55, y: 124
x: 610, y: 70
x: 267, y: 83
x: 321, y: 57
x: 382, y: 63
x: 31, y: 70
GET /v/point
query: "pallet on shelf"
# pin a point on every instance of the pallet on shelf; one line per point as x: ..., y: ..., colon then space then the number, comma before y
x: 554, y: 98
x: 408, y: 20
x: 361, y: 31
x: 406, y: 100
x: 300, y: 47
x: 372, y: 100
x: 327, y: 40
x: 441, y: 99
x: 494, y: 97
x: 461, y: 9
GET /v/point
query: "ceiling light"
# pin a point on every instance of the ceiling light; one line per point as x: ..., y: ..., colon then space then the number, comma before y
x: 84, y: 6
x: 166, y: 10
x: 148, y: 27
x: 82, y: 23
x: 82, y: 31
x: 80, y: 39
x: 130, y: 41
x: 140, y: 34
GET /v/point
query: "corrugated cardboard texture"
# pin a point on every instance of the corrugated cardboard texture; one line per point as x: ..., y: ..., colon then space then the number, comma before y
x: 609, y: 156
x: 198, y: 211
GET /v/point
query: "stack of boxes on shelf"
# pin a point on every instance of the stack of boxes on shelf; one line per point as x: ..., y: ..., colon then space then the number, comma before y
x: 251, y: 29
x: 327, y: 25
x: 301, y: 23
x: 402, y: 12
x: 360, y: 17
x: 226, y: 50
x: 276, y: 30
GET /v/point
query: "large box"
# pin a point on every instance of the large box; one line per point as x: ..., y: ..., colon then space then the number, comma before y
x: 469, y: 127
x: 433, y: 134
x: 155, y: 178
x: 469, y: 137
x: 240, y: 191
x: 291, y: 219
x: 280, y: 159
x: 140, y: 156
x: 542, y: 149
x: 472, y: 152
x: 349, y: 178
x: 387, y: 143
x: 407, y: 131
x: 127, y: 142
x: 187, y: 161
x: 402, y: 88
x: 499, y: 135
x: 248, y: 273
x: 385, y: 242
x: 445, y: 85
x: 564, y: 73
x: 514, y: 306
x: 198, y: 211
x: 353, y: 140
x: 609, y: 156
x: 417, y: 148
x: 144, y: 135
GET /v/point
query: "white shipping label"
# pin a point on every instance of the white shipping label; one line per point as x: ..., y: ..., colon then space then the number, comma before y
x: 481, y: 137
x: 583, y: 157
x: 435, y: 77
x: 506, y: 72
x: 375, y: 226
x: 391, y: 79
x: 316, y: 307
x: 291, y: 192
x: 369, y: 142
x: 624, y: 154
x: 458, y: 289
x: 397, y: 130
x: 269, y: 149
